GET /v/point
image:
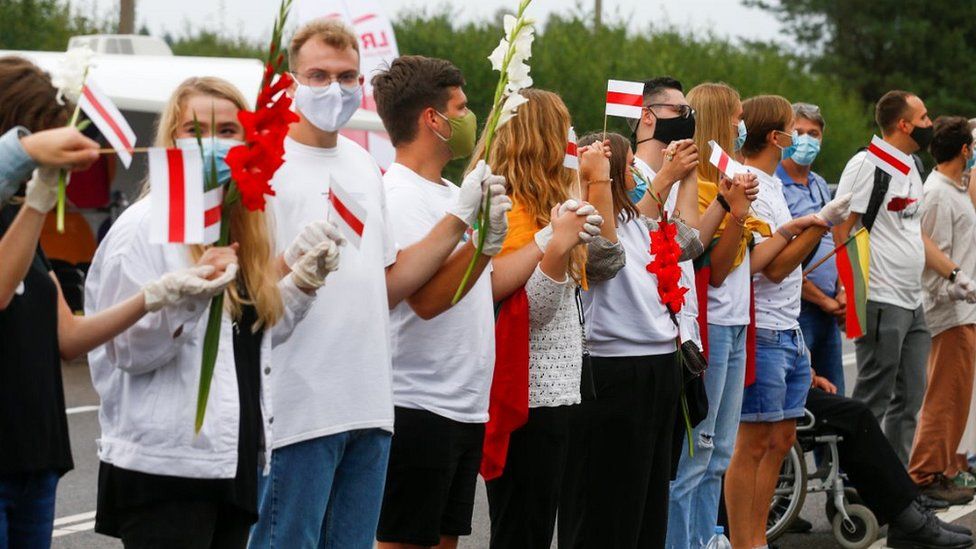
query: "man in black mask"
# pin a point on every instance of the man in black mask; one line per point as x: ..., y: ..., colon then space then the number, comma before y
x: 667, y: 123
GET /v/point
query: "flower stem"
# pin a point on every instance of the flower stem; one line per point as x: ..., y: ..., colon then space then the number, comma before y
x: 63, y: 178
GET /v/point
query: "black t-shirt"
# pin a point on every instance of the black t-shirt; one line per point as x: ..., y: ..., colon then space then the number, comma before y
x: 33, y: 424
x: 121, y: 489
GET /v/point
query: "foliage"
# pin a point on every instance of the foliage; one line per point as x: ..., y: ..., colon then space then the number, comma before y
x: 44, y: 24
x: 209, y: 43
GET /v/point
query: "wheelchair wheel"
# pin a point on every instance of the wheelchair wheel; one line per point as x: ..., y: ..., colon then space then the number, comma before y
x: 850, y: 496
x: 862, y: 530
x: 791, y: 491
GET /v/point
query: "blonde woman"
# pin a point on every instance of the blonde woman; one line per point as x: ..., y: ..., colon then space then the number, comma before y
x: 536, y: 277
x: 161, y: 484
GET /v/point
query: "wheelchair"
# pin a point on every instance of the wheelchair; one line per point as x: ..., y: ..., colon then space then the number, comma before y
x: 854, y: 525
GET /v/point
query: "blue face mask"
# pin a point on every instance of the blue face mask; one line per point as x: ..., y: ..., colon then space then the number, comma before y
x: 214, y: 153
x: 640, y: 187
x: 740, y: 139
x: 970, y: 162
x: 805, y: 149
x: 788, y: 151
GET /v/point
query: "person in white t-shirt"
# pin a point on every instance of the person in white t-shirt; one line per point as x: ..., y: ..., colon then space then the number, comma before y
x: 333, y: 397
x: 771, y: 404
x: 891, y: 356
x: 443, y: 352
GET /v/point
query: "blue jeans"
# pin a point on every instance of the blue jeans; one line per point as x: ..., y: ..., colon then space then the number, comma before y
x: 323, y: 493
x: 695, y: 493
x: 27, y: 509
x: 782, y: 377
x: 822, y: 334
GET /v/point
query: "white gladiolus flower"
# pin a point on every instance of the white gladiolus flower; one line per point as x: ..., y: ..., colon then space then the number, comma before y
x: 70, y: 76
x: 509, y: 22
x: 497, y: 57
x: 523, y: 42
x: 512, y: 103
x: 518, y: 76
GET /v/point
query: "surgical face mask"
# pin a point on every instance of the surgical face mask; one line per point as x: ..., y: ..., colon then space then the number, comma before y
x: 8, y: 189
x: 667, y: 130
x: 789, y: 149
x: 214, y: 154
x: 805, y: 149
x: 640, y: 187
x: 740, y: 139
x: 971, y: 161
x: 463, y: 129
x: 922, y: 136
x: 328, y: 108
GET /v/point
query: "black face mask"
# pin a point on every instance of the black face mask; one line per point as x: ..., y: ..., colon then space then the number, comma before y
x: 673, y: 129
x: 922, y: 136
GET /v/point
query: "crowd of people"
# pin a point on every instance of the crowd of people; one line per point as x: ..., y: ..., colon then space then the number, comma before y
x: 354, y: 402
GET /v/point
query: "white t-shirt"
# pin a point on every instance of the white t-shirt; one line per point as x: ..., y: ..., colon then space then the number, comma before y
x: 777, y: 305
x: 624, y: 315
x: 728, y: 304
x: 335, y: 369
x: 688, y: 316
x: 897, y: 252
x: 443, y: 365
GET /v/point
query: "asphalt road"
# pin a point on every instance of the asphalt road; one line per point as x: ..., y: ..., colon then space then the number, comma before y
x: 77, y: 491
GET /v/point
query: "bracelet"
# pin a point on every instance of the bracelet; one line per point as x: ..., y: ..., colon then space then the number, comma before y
x: 782, y: 231
x: 599, y: 181
x: 724, y: 203
x: 740, y: 221
x: 953, y: 274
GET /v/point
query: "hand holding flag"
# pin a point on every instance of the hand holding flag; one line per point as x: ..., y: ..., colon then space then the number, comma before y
x: 348, y: 214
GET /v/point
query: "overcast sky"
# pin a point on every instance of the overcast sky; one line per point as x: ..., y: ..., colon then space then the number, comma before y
x: 254, y: 18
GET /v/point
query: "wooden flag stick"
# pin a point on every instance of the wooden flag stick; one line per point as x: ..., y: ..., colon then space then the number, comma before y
x: 604, y: 127
x: 834, y: 251
x: 579, y: 185
x: 135, y: 150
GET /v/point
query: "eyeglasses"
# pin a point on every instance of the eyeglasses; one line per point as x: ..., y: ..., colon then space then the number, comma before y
x: 317, y: 78
x: 683, y: 111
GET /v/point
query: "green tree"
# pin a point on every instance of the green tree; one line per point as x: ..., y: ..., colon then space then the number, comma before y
x: 44, y: 24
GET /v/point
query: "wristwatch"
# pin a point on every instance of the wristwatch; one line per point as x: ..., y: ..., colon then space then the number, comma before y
x: 952, y: 275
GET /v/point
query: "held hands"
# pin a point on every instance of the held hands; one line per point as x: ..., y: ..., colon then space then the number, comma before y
x: 837, y: 210
x: 740, y: 193
x: 963, y: 288
x: 594, y: 161
x: 680, y: 160
x: 473, y: 189
x: 61, y: 148
x: 210, y: 276
x: 571, y: 223
x: 311, y: 236
x: 801, y: 224
x: 42, y: 189
x: 501, y: 204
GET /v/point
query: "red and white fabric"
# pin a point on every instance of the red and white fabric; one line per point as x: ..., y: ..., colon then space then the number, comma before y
x: 176, y: 192
x: 725, y: 163
x: 891, y: 160
x: 213, y: 202
x: 571, y: 159
x: 346, y: 213
x: 625, y: 99
x: 109, y: 120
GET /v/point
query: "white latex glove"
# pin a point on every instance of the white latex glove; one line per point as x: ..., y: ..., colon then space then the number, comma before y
x: 311, y: 236
x: 963, y: 288
x: 501, y: 204
x: 42, y: 189
x: 310, y: 270
x: 594, y: 221
x: 837, y: 210
x: 192, y: 282
x: 472, y: 192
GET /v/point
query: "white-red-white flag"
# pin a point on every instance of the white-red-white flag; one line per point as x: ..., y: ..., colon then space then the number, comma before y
x: 176, y: 191
x: 571, y: 158
x: 109, y: 120
x: 625, y: 99
x: 891, y: 160
x: 213, y: 202
x: 725, y: 163
x: 346, y: 213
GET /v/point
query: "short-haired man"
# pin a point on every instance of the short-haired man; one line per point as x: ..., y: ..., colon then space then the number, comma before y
x: 443, y: 355
x: 949, y: 221
x: 806, y: 192
x: 891, y: 356
x: 332, y: 395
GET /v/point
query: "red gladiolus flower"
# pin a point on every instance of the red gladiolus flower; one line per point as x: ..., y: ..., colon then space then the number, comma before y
x: 666, y: 252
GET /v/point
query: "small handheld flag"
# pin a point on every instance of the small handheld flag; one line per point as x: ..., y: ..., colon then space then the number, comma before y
x: 853, y: 265
x: 176, y: 192
x: 571, y: 158
x: 346, y: 213
x: 725, y: 163
x: 107, y: 118
x: 885, y: 156
x: 625, y: 99
x: 213, y: 201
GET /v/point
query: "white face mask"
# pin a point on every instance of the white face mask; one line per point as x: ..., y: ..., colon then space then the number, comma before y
x: 328, y: 108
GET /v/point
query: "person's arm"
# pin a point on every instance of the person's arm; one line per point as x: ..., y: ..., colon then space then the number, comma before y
x: 511, y: 271
x: 793, y: 254
x: 683, y: 165
x: 17, y: 248
x: 936, y: 259
x: 79, y: 334
x: 434, y: 297
x: 595, y: 173
x: 740, y: 195
x: 813, y: 294
x: 418, y: 263
x: 15, y: 164
x: 723, y: 253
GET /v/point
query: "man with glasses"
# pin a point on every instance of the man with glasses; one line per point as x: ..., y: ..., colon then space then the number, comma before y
x: 332, y: 399
x: 806, y: 192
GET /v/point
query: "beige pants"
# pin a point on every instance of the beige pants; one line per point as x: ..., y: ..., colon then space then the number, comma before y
x: 945, y: 409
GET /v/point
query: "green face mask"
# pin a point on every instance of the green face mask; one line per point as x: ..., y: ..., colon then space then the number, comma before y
x: 461, y: 141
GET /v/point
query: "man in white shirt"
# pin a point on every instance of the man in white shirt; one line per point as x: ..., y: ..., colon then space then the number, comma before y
x: 891, y: 356
x: 443, y: 355
x: 331, y: 384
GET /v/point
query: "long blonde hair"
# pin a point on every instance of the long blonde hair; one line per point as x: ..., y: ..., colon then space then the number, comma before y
x: 528, y: 151
x: 250, y: 229
x: 714, y: 106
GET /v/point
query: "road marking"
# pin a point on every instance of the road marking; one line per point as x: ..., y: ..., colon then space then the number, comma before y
x: 81, y: 410
x: 73, y: 524
x: 951, y: 514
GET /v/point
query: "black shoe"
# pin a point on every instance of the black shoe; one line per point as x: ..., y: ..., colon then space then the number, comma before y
x: 932, y: 503
x: 799, y: 526
x: 928, y: 535
x: 957, y: 528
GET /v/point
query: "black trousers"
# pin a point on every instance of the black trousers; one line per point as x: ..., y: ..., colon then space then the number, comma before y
x: 865, y: 453
x: 522, y: 503
x: 185, y: 524
x: 619, y: 467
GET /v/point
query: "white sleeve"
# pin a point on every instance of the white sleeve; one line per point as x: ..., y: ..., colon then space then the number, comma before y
x: 857, y: 178
x: 545, y: 297
x: 410, y: 218
x: 390, y: 248
x: 297, y: 303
